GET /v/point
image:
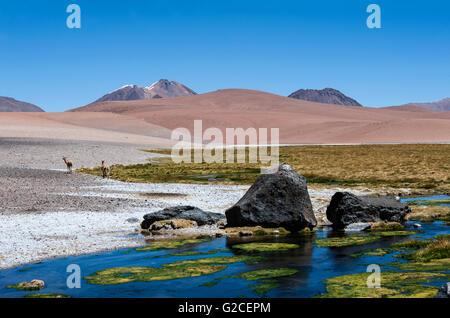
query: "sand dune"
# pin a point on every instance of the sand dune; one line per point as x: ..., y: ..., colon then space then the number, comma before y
x: 299, y: 121
x: 106, y: 127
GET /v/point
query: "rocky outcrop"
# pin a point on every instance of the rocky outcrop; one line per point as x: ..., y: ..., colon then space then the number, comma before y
x: 346, y: 208
x: 279, y: 199
x: 326, y: 95
x: 35, y: 284
x: 444, y: 291
x: 172, y: 225
x: 182, y: 213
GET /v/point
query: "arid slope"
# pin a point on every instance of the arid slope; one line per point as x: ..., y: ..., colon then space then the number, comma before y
x: 299, y: 121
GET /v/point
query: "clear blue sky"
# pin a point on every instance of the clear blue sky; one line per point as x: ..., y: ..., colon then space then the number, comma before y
x: 275, y: 46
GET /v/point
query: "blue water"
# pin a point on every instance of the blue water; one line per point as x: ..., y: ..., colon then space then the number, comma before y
x: 313, y: 264
x: 434, y: 197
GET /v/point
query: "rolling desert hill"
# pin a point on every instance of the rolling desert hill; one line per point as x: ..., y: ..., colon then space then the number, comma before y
x: 161, y: 89
x: 8, y: 104
x: 326, y: 96
x: 100, y: 127
x: 299, y: 121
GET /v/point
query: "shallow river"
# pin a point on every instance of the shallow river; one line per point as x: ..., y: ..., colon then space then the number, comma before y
x: 313, y: 265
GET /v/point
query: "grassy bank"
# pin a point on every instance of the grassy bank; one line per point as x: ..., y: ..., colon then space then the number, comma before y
x: 422, y: 167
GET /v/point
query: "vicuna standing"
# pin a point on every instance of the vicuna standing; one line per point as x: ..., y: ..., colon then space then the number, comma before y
x: 105, y: 169
x: 69, y: 164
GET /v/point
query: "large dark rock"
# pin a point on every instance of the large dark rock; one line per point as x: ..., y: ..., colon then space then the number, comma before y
x: 182, y: 212
x: 444, y: 291
x: 279, y: 199
x: 346, y: 208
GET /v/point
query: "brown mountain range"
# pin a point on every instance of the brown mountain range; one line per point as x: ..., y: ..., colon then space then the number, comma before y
x: 299, y: 121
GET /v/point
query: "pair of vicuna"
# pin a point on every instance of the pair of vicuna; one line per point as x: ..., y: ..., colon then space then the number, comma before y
x: 105, y: 168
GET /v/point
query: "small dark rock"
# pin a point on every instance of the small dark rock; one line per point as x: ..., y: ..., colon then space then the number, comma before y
x: 133, y: 220
x: 346, y: 208
x: 357, y: 227
x: 183, y: 213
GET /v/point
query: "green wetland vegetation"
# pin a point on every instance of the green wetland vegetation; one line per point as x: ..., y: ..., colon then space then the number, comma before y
x: 420, y: 167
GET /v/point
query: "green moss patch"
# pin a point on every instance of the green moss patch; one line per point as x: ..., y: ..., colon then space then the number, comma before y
x: 219, y: 260
x: 429, y: 213
x: 393, y: 284
x: 437, y: 250
x: 371, y: 252
x: 441, y: 265
x: 410, y: 245
x: 394, y: 233
x: 170, y: 244
x: 256, y: 231
x: 268, y: 273
x: 265, y: 278
x: 195, y: 253
x: 23, y: 286
x: 386, y: 226
x: 49, y: 295
x: 345, y: 241
x: 121, y: 275
x: 265, y: 247
x: 176, y: 270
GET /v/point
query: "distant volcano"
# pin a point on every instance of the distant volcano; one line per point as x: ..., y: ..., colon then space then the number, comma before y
x: 326, y: 96
x: 442, y: 105
x: 161, y: 89
x: 8, y: 104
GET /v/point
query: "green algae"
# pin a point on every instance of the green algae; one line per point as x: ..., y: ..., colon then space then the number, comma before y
x: 170, y: 271
x: 49, y: 295
x: 121, y: 275
x: 394, y: 233
x: 265, y: 247
x: 267, y: 273
x: 410, y: 245
x: 437, y: 250
x: 265, y: 278
x: 443, y: 237
x: 386, y: 226
x: 219, y: 260
x: 24, y: 270
x: 23, y: 286
x: 440, y: 265
x: 170, y: 244
x: 197, y: 253
x: 371, y: 252
x: 393, y: 285
x: 345, y: 241
x: 264, y: 287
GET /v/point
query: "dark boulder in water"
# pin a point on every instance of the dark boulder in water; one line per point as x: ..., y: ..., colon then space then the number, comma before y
x: 185, y: 212
x: 346, y: 208
x: 279, y: 199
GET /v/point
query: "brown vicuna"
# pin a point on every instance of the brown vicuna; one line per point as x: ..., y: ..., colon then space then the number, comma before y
x: 69, y: 164
x: 105, y: 169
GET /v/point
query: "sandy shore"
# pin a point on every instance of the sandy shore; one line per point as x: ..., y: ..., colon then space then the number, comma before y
x: 46, y: 213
